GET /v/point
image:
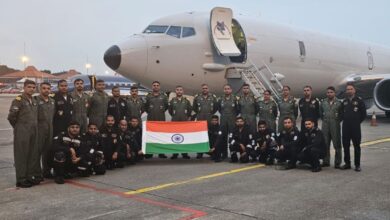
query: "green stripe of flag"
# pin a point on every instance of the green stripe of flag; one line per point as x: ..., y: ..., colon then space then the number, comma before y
x: 155, y: 148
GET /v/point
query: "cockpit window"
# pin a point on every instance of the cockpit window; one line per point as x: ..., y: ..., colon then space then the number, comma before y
x: 188, y: 31
x: 174, y: 31
x: 156, y: 29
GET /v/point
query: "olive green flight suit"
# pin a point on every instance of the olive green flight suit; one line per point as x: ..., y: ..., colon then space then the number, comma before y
x: 268, y: 111
x: 46, y: 110
x: 135, y: 107
x: 332, y: 114
x: 205, y: 106
x: 156, y: 106
x: 287, y: 108
x: 97, y: 111
x: 248, y: 109
x: 180, y: 109
x: 23, y: 116
x: 80, y: 110
x: 229, y: 109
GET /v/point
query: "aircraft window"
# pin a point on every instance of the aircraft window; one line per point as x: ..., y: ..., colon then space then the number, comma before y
x: 302, y: 49
x: 174, y: 31
x: 156, y: 29
x: 188, y: 31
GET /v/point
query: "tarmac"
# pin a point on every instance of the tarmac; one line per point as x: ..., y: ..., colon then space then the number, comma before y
x: 201, y: 189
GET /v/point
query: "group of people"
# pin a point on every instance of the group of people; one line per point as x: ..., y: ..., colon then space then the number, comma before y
x: 88, y: 134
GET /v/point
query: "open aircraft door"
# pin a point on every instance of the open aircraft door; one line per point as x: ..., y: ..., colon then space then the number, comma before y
x: 221, y: 31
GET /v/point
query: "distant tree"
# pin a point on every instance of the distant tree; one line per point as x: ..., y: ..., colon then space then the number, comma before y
x: 46, y: 71
x: 4, y: 69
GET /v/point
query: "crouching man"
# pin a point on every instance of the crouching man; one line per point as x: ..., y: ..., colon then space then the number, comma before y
x: 265, y: 144
x: 92, y: 157
x: 288, y: 141
x: 313, y: 143
x: 241, y: 140
x: 65, y: 146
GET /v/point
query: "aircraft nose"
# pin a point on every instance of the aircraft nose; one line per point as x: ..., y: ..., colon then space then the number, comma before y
x: 113, y: 57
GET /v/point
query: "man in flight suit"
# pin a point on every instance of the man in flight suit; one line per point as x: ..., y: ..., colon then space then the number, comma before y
x: 229, y: 109
x: 156, y: 104
x: 241, y: 141
x: 331, y: 111
x: 268, y: 110
x: 64, y: 108
x: 46, y: 109
x: 309, y: 107
x: 248, y: 108
x: 354, y: 114
x: 313, y: 145
x: 287, y: 108
x: 180, y: 109
x: 288, y: 141
x: 23, y: 118
x: 117, y: 106
x: 80, y: 105
x: 97, y: 111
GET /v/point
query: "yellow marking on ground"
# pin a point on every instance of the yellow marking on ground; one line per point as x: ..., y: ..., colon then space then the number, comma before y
x: 369, y: 143
x: 213, y: 175
x: 196, y: 179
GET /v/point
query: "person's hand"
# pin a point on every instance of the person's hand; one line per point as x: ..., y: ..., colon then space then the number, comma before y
x: 140, y: 152
x: 76, y: 160
x: 115, y: 156
x: 128, y: 155
x: 281, y: 147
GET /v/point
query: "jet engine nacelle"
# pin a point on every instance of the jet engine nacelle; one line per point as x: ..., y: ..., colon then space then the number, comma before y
x: 382, y: 94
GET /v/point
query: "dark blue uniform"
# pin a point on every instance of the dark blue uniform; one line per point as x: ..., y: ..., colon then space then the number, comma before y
x: 313, y: 147
x: 354, y: 114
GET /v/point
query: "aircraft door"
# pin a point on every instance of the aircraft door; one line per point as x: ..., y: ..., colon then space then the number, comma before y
x: 221, y: 32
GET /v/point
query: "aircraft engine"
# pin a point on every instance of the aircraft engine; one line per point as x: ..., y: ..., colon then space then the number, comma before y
x: 382, y: 94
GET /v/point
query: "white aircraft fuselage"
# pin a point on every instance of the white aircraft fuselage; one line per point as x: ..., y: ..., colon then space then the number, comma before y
x: 298, y: 56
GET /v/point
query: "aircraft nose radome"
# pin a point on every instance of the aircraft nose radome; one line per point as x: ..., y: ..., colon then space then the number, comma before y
x: 112, y: 57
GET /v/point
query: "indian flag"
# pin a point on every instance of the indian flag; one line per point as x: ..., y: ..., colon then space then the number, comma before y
x: 159, y: 137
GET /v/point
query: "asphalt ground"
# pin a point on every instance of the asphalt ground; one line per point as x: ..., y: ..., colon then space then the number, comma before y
x: 189, y: 189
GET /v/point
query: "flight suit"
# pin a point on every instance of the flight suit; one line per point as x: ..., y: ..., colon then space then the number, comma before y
x: 332, y: 115
x: 248, y: 109
x: 313, y: 147
x: 23, y: 118
x: 62, y: 144
x: 156, y: 106
x: 97, y: 111
x: 309, y: 109
x: 136, y: 135
x: 118, y: 109
x: 242, y: 137
x: 290, y: 141
x: 354, y: 114
x: 268, y: 111
x: 180, y: 110
x: 110, y: 145
x: 135, y: 107
x: 80, y: 109
x: 229, y: 109
x: 63, y: 114
x: 215, y: 141
x: 205, y: 107
x: 266, y: 146
x: 91, y: 154
x: 287, y: 108
x: 124, y: 148
x: 46, y: 110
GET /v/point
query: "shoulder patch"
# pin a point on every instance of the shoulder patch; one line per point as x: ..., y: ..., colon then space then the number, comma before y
x: 18, y: 98
x: 238, y: 97
x: 52, y: 95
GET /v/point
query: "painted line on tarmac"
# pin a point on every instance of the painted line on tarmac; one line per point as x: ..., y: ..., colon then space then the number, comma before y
x: 379, y: 141
x: 194, y: 213
x: 196, y: 179
x: 5, y: 129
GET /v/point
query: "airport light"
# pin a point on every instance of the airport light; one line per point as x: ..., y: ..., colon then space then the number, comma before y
x: 88, y: 66
x: 25, y: 59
